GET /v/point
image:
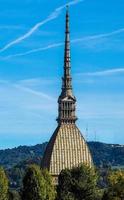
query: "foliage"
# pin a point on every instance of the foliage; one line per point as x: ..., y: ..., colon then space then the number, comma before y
x: 3, y: 185
x: 16, y: 174
x: 115, y: 189
x: 14, y: 195
x: 50, y: 189
x: 103, y: 176
x: 37, y: 184
x: 79, y: 183
x: 33, y: 184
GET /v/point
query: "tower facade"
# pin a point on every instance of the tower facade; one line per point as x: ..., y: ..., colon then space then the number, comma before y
x: 67, y: 100
x: 67, y: 147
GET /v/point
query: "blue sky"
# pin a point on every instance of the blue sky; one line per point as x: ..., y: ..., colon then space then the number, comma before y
x: 31, y: 67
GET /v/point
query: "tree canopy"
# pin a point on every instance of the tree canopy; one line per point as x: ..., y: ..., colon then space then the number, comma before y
x: 115, y: 190
x: 3, y: 185
x: 37, y: 185
x: 33, y: 184
x: 79, y: 183
x: 50, y: 189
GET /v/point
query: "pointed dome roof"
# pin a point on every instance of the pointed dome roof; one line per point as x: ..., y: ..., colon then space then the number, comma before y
x: 67, y: 148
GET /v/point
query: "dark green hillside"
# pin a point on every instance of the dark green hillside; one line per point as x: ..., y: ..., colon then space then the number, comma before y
x: 110, y: 154
x: 12, y: 157
x: 16, y: 160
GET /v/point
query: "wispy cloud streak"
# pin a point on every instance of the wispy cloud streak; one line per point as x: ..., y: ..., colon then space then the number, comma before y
x: 52, y: 16
x: 33, y: 51
x: 40, y: 94
x: 8, y: 27
x: 108, y: 72
x: 54, y: 45
x: 23, y: 86
x: 99, y: 36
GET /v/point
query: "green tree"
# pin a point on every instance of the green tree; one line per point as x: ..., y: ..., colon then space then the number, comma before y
x: 79, y: 183
x: 64, y: 191
x: 115, y: 189
x: 37, y: 185
x: 50, y: 189
x: 3, y: 185
x: 33, y: 184
x: 14, y: 195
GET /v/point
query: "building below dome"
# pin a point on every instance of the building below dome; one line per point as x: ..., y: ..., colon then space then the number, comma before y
x: 67, y: 147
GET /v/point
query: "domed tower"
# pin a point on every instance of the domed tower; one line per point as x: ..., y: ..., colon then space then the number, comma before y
x: 67, y: 147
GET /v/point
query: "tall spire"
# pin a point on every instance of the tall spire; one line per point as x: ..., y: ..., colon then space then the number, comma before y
x: 66, y: 148
x: 66, y: 99
x: 67, y: 85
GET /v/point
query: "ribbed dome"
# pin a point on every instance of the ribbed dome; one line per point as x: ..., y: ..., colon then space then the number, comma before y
x: 66, y: 149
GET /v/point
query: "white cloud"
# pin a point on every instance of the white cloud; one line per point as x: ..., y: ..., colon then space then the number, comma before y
x: 23, y: 109
x: 52, y: 16
x: 3, y: 81
x: 33, y: 92
x: 99, y: 36
x: 108, y: 72
x: 37, y: 82
x: 33, y: 51
x: 8, y: 27
x: 27, y: 112
x: 77, y: 40
x: 74, y: 2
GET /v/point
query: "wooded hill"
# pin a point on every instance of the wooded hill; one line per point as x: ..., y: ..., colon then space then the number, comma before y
x: 16, y: 160
x: 112, y: 154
